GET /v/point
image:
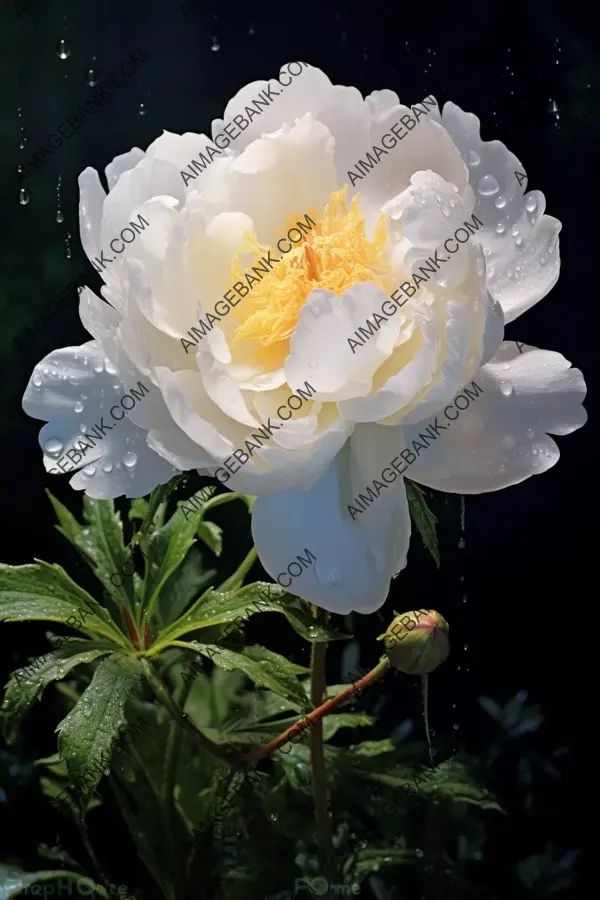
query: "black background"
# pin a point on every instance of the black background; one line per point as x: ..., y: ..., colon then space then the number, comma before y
x: 529, y: 619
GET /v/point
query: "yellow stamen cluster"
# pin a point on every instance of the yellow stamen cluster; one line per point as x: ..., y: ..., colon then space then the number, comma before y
x: 334, y: 255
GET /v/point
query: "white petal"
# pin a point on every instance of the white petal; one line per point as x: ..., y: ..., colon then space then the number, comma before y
x: 536, y: 260
x: 501, y: 436
x: 78, y: 411
x: 319, y: 346
x: 355, y: 560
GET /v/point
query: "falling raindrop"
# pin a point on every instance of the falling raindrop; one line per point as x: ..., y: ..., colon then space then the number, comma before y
x: 63, y: 50
x: 92, y: 77
x: 60, y: 216
x: 59, y: 213
x: 68, y: 245
x: 24, y: 197
x: 142, y: 109
x: 251, y: 30
x: 425, y: 693
x: 215, y: 45
x: 462, y: 543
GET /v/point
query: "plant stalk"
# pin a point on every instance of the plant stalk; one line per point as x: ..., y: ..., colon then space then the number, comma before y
x: 236, y: 580
x: 318, y: 684
x: 162, y: 694
x: 317, y: 714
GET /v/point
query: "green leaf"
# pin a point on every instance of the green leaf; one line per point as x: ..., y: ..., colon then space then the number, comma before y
x: 167, y: 549
x: 100, y: 543
x: 25, y: 685
x: 87, y: 734
x: 138, y: 509
x: 44, y: 592
x: 104, y: 541
x: 13, y: 881
x: 187, y: 582
x: 423, y: 518
x: 215, y: 608
x: 212, y: 536
x: 265, y: 668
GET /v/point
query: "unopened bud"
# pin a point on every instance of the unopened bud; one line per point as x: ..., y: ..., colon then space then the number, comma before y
x: 417, y: 642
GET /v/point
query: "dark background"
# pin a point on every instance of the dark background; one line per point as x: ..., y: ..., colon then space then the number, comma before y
x: 529, y: 71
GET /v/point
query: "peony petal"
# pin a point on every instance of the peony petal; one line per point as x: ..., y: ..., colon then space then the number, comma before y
x: 74, y: 389
x: 520, y: 274
x: 355, y: 560
x: 501, y: 438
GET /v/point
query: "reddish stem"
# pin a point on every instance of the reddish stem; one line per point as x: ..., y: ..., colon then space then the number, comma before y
x: 317, y: 714
x: 130, y: 626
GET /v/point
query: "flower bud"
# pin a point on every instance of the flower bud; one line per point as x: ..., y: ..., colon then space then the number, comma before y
x: 417, y: 642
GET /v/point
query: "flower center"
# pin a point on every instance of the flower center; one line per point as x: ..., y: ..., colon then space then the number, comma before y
x: 335, y: 255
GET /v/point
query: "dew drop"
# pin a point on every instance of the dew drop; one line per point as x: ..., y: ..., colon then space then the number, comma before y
x: 98, y: 367
x: 62, y: 49
x: 488, y: 186
x: 531, y: 203
x: 514, y: 231
x: 473, y: 158
x: 37, y: 380
x: 506, y: 388
x: 530, y: 433
x: 78, y: 407
x: 462, y: 543
x: 130, y: 459
x: 53, y: 447
x: 107, y: 468
x: 500, y: 228
x: 90, y: 470
x: 112, y: 370
x: 215, y: 45
x: 519, y: 241
x: 24, y: 197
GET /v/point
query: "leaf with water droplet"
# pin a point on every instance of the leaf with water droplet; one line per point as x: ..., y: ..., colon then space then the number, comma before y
x: 423, y: 518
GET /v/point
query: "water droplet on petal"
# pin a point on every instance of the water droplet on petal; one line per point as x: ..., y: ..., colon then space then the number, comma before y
x: 107, y: 468
x: 506, y: 388
x: 313, y: 364
x: 130, y: 459
x: 98, y: 367
x: 500, y: 202
x: 488, y: 186
x: 90, y: 470
x: 327, y: 574
x: 24, y: 196
x: 78, y: 407
x: 473, y: 158
x: 514, y: 231
x: 37, y: 380
x: 530, y: 433
x: 531, y: 203
x: 53, y: 447
x: 62, y: 49
x: 500, y: 228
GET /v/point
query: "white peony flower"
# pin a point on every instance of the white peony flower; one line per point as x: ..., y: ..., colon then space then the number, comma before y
x: 358, y: 254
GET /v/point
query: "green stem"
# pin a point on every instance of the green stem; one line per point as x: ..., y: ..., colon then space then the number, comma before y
x: 162, y: 694
x: 318, y: 684
x: 236, y: 580
x: 218, y: 501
